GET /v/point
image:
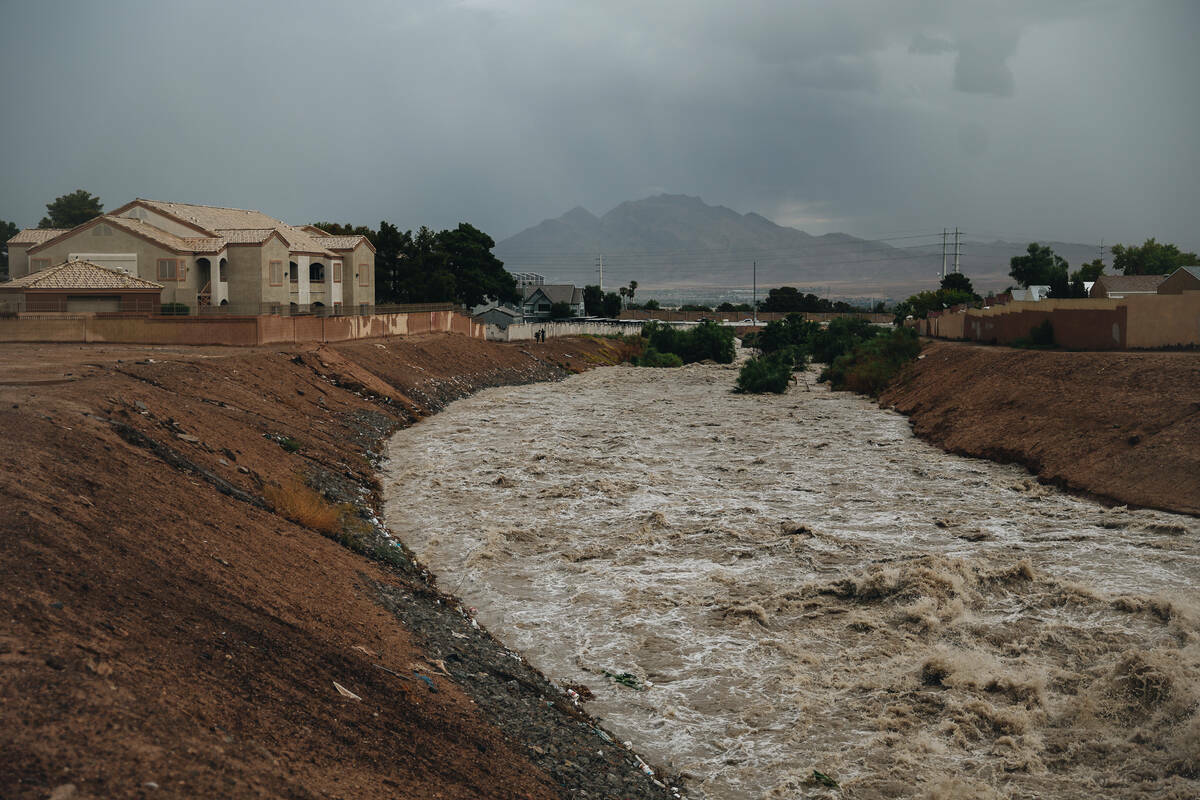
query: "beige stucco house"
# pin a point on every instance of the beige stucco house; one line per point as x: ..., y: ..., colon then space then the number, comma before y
x: 207, y: 257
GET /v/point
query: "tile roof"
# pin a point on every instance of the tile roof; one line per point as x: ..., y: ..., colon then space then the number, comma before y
x: 36, y: 235
x: 1131, y: 283
x: 214, y: 218
x: 246, y: 236
x: 205, y: 244
x: 79, y: 275
x: 154, y: 233
x: 340, y: 242
x: 301, y: 242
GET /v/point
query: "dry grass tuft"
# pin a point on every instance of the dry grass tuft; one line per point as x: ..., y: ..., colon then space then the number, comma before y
x: 304, y: 506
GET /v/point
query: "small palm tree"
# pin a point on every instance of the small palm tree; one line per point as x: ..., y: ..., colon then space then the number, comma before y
x: 632, y: 289
x: 624, y: 293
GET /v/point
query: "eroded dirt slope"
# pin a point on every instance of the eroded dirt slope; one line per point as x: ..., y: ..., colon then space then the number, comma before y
x: 166, y: 634
x: 1121, y: 426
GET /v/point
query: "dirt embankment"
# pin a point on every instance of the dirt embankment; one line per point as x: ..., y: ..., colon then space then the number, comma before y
x: 166, y: 634
x: 1120, y: 426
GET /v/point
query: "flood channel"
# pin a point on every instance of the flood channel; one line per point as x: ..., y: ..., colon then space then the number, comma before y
x: 789, y: 584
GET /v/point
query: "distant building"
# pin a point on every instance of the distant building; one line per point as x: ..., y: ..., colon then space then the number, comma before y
x: 539, y: 299
x: 1115, y: 287
x: 528, y: 280
x: 1032, y: 294
x: 205, y: 256
x: 1184, y: 279
x: 495, y: 314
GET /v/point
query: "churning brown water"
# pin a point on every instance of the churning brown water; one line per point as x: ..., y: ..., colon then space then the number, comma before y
x: 801, y: 585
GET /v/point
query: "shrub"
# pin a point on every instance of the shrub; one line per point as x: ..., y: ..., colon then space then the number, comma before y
x: 708, y: 340
x: 653, y: 358
x: 769, y: 373
x: 869, y: 366
x: 304, y: 506
x: 1042, y: 335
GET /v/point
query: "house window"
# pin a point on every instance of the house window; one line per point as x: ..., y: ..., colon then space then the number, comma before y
x: 364, y: 275
x: 38, y: 263
x: 337, y: 272
x: 293, y: 272
x: 223, y: 276
x: 169, y: 269
x: 316, y: 272
x: 276, y: 273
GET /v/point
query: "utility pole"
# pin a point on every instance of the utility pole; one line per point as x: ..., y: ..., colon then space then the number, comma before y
x: 754, y: 297
x: 956, y: 250
x: 600, y: 269
x: 943, y: 254
x: 1102, y: 252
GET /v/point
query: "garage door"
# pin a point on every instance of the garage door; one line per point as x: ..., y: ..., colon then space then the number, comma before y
x: 85, y: 303
x: 126, y: 262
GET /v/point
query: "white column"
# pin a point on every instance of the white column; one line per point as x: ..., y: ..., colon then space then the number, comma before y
x: 304, y: 298
x: 220, y: 287
x: 335, y: 289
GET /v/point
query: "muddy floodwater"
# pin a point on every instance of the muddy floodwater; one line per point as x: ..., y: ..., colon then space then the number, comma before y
x: 757, y: 587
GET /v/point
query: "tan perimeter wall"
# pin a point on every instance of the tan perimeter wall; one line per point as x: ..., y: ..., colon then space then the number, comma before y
x: 1139, y: 321
x: 234, y: 331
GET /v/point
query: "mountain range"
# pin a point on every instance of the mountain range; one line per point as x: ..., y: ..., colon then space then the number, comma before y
x: 680, y: 242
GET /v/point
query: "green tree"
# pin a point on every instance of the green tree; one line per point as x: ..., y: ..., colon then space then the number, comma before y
x: 919, y: 305
x: 390, y: 247
x: 453, y: 265
x: 612, y: 305
x: 1151, y: 258
x: 1040, y: 266
x: 632, y: 289
x: 593, y: 301
x: 72, y: 209
x: 651, y: 305
x: 478, y: 274
x: 1088, y: 272
x: 560, y: 310
x: 7, y: 231
x: 957, y: 281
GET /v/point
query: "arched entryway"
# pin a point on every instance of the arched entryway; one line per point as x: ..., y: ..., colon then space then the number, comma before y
x: 204, y: 281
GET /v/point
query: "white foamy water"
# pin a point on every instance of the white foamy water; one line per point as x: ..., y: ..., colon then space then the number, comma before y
x: 808, y: 587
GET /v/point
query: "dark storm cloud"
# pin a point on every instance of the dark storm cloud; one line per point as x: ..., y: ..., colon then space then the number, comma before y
x: 866, y: 116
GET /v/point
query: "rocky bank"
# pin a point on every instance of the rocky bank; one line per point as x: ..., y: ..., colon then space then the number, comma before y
x: 169, y: 633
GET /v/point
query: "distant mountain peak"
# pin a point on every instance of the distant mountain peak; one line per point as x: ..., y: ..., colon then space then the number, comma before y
x: 579, y: 213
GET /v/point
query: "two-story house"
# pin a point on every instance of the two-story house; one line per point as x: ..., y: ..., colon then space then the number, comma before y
x: 209, y: 257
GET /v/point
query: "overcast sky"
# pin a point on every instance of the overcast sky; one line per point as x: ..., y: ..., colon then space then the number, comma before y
x: 1049, y: 119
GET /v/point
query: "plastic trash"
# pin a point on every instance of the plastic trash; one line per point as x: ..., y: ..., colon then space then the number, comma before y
x: 344, y: 692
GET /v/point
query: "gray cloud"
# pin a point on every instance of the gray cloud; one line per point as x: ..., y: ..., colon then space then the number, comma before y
x: 982, y: 64
x: 922, y: 44
x: 503, y: 112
